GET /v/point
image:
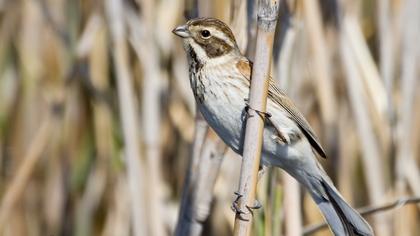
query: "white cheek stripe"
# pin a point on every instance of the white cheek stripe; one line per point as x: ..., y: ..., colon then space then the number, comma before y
x: 199, y: 51
x: 221, y: 35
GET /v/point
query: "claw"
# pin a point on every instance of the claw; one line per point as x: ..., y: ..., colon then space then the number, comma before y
x: 241, y: 217
x: 238, y: 195
x: 235, y: 203
x: 260, y: 113
x: 235, y: 207
x: 241, y: 213
x: 257, y: 205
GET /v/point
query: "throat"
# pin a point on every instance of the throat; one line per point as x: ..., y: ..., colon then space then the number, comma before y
x: 195, y: 63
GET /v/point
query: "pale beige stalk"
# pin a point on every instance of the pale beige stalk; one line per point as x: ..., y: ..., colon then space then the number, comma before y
x: 129, y: 116
x: 198, y: 187
x: 322, y: 67
x: 142, y: 37
x: 267, y: 19
x: 371, y: 155
x: 292, y: 206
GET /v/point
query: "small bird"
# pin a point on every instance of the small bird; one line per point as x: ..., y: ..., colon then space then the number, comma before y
x: 220, y: 80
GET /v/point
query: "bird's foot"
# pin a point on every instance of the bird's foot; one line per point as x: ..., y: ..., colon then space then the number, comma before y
x: 242, y: 214
x: 257, y: 205
x: 260, y: 113
x: 235, y: 204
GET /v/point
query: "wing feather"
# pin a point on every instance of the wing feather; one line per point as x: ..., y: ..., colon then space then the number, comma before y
x: 279, y: 97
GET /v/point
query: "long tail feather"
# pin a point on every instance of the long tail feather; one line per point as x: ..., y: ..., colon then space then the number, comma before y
x: 342, y: 219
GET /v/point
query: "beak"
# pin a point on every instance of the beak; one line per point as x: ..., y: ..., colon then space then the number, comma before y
x: 182, y: 31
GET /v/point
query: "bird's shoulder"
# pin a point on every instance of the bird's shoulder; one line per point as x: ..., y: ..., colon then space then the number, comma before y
x: 279, y: 97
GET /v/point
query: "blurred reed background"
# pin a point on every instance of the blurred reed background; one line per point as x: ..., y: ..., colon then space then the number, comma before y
x: 97, y: 117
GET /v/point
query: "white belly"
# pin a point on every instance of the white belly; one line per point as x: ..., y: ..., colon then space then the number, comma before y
x: 226, y: 118
x: 224, y: 111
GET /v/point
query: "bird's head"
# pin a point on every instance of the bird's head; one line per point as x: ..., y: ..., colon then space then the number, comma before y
x: 208, y: 38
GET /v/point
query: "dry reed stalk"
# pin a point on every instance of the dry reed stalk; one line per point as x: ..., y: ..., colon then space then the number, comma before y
x: 166, y: 16
x: 371, y: 157
x: 56, y: 187
x: 348, y: 149
x: 118, y: 218
x: 239, y: 23
x: 291, y: 197
x: 128, y: 113
x: 386, y: 47
x: 198, y: 194
x: 7, y: 27
x: 182, y: 84
x: 226, y: 184
x: 251, y: 28
x: 93, y: 44
x: 378, y: 100
x: 222, y: 10
x: 265, y: 196
x: 283, y: 73
x: 99, y: 66
x: 292, y: 206
x: 182, y: 119
x: 142, y: 37
x: 322, y: 67
x: 267, y: 20
x: 407, y: 172
x: 95, y: 188
x: 16, y: 188
x: 201, y: 129
x: 277, y: 213
x: 406, y: 168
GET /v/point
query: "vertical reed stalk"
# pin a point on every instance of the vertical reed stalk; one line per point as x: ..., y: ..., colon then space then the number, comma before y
x: 146, y: 48
x: 322, y: 68
x: 198, y: 188
x: 407, y: 172
x: 371, y: 156
x: 267, y: 20
x: 17, y: 186
x: 292, y: 206
x: 128, y: 113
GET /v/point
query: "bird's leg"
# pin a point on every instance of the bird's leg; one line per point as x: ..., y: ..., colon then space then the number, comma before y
x: 280, y: 137
x: 257, y: 205
x: 262, y: 114
x: 249, y: 209
x: 235, y: 207
x: 261, y: 171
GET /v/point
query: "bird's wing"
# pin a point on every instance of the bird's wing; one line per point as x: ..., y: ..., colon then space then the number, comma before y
x: 279, y: 97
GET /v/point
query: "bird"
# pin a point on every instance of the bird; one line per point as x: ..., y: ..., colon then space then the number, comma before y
x: 220, y: 78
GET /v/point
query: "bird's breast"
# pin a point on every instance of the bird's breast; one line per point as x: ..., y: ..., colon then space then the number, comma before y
x: 222, y: 99
x: 222, y: 105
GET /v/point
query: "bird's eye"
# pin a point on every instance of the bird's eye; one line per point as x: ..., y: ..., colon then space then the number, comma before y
x: 205, y: 33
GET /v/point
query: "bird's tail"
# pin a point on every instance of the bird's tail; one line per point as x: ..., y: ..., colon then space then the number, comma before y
x: 342, y: 219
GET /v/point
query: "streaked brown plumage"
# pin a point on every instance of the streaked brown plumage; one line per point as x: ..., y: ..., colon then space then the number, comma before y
x: 279, y: 97
x: 220, y: 79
